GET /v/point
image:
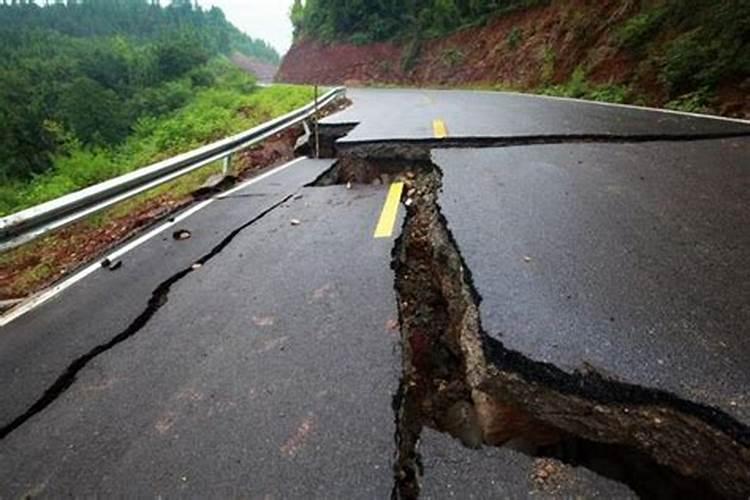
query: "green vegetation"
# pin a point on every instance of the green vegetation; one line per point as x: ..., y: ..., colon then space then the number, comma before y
x: 640, y: 29
x: 548, y: 64
x: 677, y: 51
x: 698, y: 45
x: 579, y: 87
x: 452, y: 57
x: 515, y: 37
x: 693, y: 102
x: 362, y: 21
x: 230, y: 105
x: 81, y: 83
x: 95, y: 89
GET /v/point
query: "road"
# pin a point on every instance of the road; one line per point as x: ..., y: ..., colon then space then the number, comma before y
x: 262, y: 356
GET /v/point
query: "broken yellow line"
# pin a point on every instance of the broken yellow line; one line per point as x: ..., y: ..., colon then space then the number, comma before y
x: 439, y: 128
x: 390, y: 211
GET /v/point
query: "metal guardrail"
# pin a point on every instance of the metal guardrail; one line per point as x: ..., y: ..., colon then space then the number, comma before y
x: 29, y: 224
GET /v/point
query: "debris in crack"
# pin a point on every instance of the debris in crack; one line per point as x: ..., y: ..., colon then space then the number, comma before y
x: 354, y: 169
x: 460, y: 381
x: 158, y: 299
x: 407, y: 466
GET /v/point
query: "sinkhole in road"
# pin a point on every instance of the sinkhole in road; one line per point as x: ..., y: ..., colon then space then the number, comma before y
x: 460, y: 381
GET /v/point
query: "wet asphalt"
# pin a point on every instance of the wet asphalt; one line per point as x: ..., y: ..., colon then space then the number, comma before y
x: 631, y: 261
x: 269, y: 370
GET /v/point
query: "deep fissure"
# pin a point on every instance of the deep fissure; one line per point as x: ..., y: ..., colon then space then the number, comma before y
x: 159, y: 297
x: 459, y: 381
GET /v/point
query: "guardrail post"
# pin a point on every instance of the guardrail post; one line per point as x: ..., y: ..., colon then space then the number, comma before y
x: 227, y: 165
x: 34, y: 222
x: 317, y: 129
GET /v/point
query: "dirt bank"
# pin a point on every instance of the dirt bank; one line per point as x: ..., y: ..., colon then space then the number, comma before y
x: 529, y: 50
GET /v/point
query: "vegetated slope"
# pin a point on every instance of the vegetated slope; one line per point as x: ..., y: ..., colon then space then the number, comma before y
x: 87, y: 72
x: 81, y: 83
x: 684, y: 54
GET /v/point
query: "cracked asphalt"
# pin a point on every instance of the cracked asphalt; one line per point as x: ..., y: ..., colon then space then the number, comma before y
x: 268, y: 371
x: 229, y: 388
x: 628, y: 260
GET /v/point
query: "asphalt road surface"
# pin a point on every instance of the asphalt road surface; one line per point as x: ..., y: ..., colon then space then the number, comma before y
x: 260, y: 356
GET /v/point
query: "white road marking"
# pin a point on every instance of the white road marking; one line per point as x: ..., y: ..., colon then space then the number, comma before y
x: 245, y: 184
x: 622, y: 106
x: 38, y: 299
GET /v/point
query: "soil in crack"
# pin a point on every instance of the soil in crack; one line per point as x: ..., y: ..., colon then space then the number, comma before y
x: 459, y: 381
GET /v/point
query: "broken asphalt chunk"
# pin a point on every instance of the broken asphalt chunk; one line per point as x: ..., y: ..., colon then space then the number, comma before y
x: 181, y: 234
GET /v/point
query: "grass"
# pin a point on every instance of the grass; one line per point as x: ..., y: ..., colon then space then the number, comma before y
x: 692, y: 102
x: 39, y: 265
x: 579, y: 87
x: 229, y: 106
x: 639, y: 30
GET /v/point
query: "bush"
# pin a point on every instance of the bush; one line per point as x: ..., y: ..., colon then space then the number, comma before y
x: 360, y: 38
x: 515, y: 37
x: 576, y: 86
x: 157, y: 101
x: 95, y: 113
x: 691, y: 61
x: 548, y: 65
x: 452, y: 57
x: 619, y: 94
x: 207, y: 115
x: 639, y: 30
x: 201, y: 77
x: 693, y: 102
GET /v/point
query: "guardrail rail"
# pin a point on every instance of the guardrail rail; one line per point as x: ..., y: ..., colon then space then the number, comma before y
x: 29, y: 224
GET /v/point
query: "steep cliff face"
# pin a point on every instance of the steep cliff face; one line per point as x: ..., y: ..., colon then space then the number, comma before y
x: 568, y: 47
x: 310, y: 61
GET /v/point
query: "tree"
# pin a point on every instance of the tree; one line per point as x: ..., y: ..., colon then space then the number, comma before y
x: 92, y: 68
x: 94, y: 112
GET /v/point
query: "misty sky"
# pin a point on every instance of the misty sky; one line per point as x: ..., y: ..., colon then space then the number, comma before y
x: 266, y: 19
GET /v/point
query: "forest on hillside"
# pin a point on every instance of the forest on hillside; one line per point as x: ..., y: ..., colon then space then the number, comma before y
x: 86, y: 75
x: 365, y: 21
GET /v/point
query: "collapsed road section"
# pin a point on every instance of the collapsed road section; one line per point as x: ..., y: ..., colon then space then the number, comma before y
x: 462, y: 381
x: 581, y: 303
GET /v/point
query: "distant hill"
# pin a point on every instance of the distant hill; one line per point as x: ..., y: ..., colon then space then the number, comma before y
x: 88, y: 73
x: 263, y: 71
x: 692, y: 55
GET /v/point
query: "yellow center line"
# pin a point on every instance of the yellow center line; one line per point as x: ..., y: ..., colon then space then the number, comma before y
x: 390, y: 211
x: 439, y: 128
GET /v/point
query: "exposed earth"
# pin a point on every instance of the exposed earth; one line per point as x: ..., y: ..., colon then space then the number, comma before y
x: 527, y: 50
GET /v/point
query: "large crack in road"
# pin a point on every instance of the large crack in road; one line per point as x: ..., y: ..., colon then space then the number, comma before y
x: 158, y: 299
x: 460, y: 381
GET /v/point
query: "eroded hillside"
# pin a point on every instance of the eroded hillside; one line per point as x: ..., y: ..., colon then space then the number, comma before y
x: 693, y: 56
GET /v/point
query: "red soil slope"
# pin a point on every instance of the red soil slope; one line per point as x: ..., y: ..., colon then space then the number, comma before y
x: 525, y: 50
